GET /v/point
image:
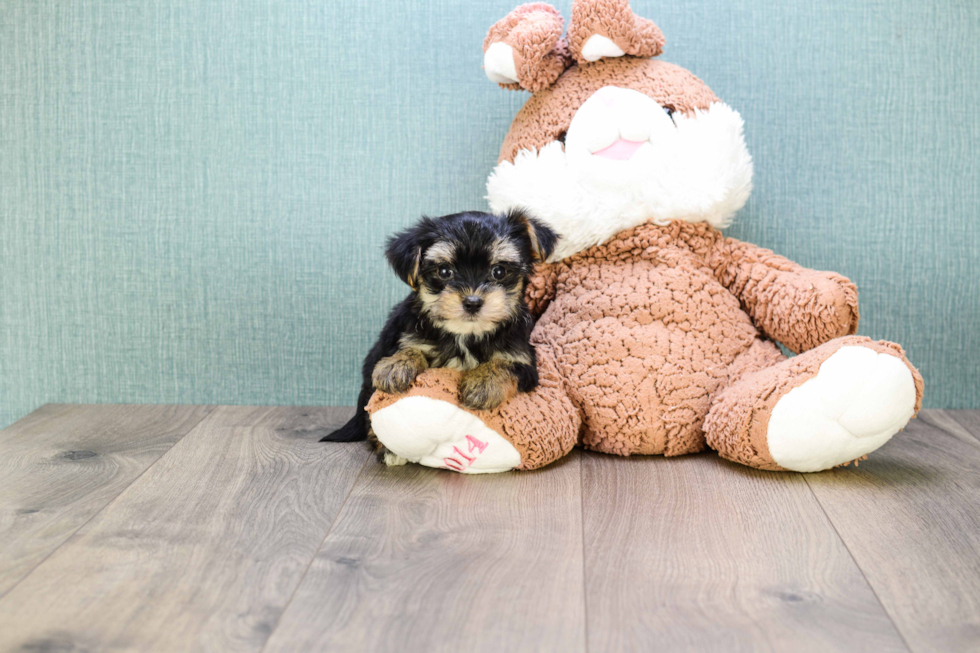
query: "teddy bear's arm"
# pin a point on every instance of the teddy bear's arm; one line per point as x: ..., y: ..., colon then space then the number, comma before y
x: 541, y: 288
x: 799, y: 307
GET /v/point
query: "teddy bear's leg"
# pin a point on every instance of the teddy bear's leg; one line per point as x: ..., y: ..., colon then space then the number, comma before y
x: 427, y: 425
x: 826, y: 407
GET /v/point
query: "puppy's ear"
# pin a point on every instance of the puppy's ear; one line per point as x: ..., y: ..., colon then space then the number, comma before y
x: 543, y: 238
x: 404, y: 253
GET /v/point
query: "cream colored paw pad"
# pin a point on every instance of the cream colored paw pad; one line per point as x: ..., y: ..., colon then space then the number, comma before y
x: 857, y: 401
x: 437, y: 433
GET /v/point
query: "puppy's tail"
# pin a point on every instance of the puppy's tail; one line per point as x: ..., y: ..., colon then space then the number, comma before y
x: 353, y: 431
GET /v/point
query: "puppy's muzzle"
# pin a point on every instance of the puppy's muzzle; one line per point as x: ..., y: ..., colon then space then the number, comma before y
x: 472, y: 304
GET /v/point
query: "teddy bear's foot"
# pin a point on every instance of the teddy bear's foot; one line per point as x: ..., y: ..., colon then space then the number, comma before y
x: 428, y: 424
x: 857, y: 401
x: 824, y: 408
x: 437, y: 433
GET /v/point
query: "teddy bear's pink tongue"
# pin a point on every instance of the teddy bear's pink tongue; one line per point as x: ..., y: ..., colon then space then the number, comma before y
x: 621, y: 150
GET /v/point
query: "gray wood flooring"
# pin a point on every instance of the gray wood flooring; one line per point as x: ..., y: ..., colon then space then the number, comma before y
x: 186, y: 528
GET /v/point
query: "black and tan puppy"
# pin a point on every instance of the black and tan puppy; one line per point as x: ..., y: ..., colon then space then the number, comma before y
x: 466, y: 311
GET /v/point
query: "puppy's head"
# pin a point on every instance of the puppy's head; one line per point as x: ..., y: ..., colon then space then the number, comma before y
x: 469, y: 269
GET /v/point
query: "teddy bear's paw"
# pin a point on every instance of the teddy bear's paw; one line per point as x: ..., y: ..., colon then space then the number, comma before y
x: 439, y: 434
x: 857, y: 401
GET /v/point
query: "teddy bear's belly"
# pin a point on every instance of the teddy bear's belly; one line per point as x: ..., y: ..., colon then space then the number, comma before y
x: 643, y: 355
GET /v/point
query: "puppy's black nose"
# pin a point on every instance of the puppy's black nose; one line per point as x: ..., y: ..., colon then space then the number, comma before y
x: 472, y: 303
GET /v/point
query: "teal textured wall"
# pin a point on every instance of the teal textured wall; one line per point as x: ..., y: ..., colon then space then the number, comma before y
x: 194, y: 193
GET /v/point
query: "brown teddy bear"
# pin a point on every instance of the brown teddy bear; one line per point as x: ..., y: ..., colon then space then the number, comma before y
x: 656, y: 334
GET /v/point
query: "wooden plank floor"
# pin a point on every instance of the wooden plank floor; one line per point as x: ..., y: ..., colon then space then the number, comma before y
x: 63, y: 464
x: 142, y: 528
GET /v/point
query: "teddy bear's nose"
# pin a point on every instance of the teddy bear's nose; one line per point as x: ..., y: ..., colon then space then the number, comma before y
x: 616, y: 123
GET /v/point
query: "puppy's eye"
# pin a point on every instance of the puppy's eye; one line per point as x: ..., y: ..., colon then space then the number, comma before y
x: 445, y: 272
x: 498, y: 272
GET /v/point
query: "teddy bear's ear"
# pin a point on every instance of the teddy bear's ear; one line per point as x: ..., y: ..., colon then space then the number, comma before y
x: 525, y: 49
x: 609, y: 28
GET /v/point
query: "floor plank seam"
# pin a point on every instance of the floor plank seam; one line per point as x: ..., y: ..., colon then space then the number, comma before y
x: 585, y: 588
x: 319, y: 547
x: 966, y: 427
x: 108, y: 503
x: 847, y: 548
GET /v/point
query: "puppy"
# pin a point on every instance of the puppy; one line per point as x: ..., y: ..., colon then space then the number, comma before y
x: 466, y: 311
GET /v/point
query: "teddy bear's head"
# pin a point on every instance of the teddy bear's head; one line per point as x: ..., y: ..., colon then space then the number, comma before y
x: 611, y: 137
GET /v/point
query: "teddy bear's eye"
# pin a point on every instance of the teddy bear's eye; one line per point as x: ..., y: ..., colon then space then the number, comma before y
x: 670, y: 112
x: 561, y: 136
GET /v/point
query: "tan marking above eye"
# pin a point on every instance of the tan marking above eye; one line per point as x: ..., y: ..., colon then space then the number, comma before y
x: 441, y: 252
x: 504, y: 251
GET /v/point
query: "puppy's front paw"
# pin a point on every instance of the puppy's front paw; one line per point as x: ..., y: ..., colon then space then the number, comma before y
x: 393, y: 377
x: 486, y: 386
x: 395, y: 374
